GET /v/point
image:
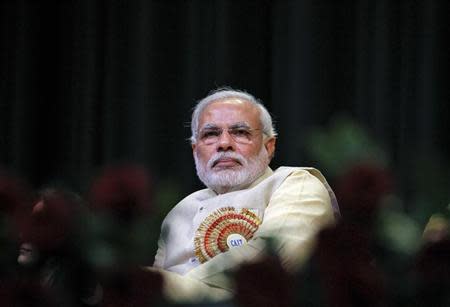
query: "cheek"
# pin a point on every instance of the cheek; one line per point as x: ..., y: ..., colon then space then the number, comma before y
x: 202, y: 155
x: 249, y: 151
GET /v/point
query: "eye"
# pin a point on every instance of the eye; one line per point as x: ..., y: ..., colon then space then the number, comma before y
x: 240, y: 132
x: 209, y: 134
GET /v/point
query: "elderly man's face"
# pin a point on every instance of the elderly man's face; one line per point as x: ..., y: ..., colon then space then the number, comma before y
x: 230, y: 152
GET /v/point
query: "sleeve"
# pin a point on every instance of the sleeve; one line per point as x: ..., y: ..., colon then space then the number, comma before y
x: 297, y: 210
x: 179, y: 288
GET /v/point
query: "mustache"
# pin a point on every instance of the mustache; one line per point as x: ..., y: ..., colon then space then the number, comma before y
x: 225, y: 155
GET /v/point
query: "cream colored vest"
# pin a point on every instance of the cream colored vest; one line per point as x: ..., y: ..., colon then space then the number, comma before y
x: 176, y: 246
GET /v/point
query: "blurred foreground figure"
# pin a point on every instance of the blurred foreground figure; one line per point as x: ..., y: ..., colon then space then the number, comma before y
x: 246, y: 207
x: 14, y: 205
x: 349, y: 272
x: 121, y: 203
x: 50, y: 254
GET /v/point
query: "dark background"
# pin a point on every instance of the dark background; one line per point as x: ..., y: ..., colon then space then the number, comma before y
x: 87, y: 83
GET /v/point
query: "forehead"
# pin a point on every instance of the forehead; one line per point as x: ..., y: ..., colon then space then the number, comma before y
x: 228, y: 111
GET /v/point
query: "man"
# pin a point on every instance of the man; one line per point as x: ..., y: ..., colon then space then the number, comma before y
x: 246, y: 205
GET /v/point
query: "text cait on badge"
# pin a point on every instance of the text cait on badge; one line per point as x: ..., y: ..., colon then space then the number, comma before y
x: 224, y: 229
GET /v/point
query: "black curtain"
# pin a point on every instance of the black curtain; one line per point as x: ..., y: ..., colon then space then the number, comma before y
x: 85, y: 83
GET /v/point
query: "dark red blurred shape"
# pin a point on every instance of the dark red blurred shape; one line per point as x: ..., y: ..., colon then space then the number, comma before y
x: 14, y: 203
x: 360, y: 190
x: 433, y: 268
x: 133, y: 287
x: 348, y: 271
x: 264, y: 283
x: 122, y: 191
x: 52, y: 220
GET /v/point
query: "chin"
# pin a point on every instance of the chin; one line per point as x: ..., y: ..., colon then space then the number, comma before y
x: 26, y: 260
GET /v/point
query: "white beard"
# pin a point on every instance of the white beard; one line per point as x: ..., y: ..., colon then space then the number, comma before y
x: 227, y: 180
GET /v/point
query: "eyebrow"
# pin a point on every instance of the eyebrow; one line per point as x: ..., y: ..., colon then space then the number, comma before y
x: 240, y: 125
x: 210, y: 126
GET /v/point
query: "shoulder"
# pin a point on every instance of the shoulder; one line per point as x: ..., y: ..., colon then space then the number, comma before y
x: 300, y: 179
x: 308, y: 180
x: 301, y: 175
x: 300, y: 170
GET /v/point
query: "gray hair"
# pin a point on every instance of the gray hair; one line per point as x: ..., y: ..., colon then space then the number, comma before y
x: 268, y: 128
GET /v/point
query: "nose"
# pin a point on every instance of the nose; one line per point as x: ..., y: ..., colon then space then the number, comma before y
x: 225, y: 142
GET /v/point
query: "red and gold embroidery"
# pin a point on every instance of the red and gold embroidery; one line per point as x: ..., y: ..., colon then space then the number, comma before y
x: 223, y: 229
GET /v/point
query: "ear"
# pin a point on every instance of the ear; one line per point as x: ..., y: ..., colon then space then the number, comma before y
x: 270, y: 147
x: 193, y: 145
